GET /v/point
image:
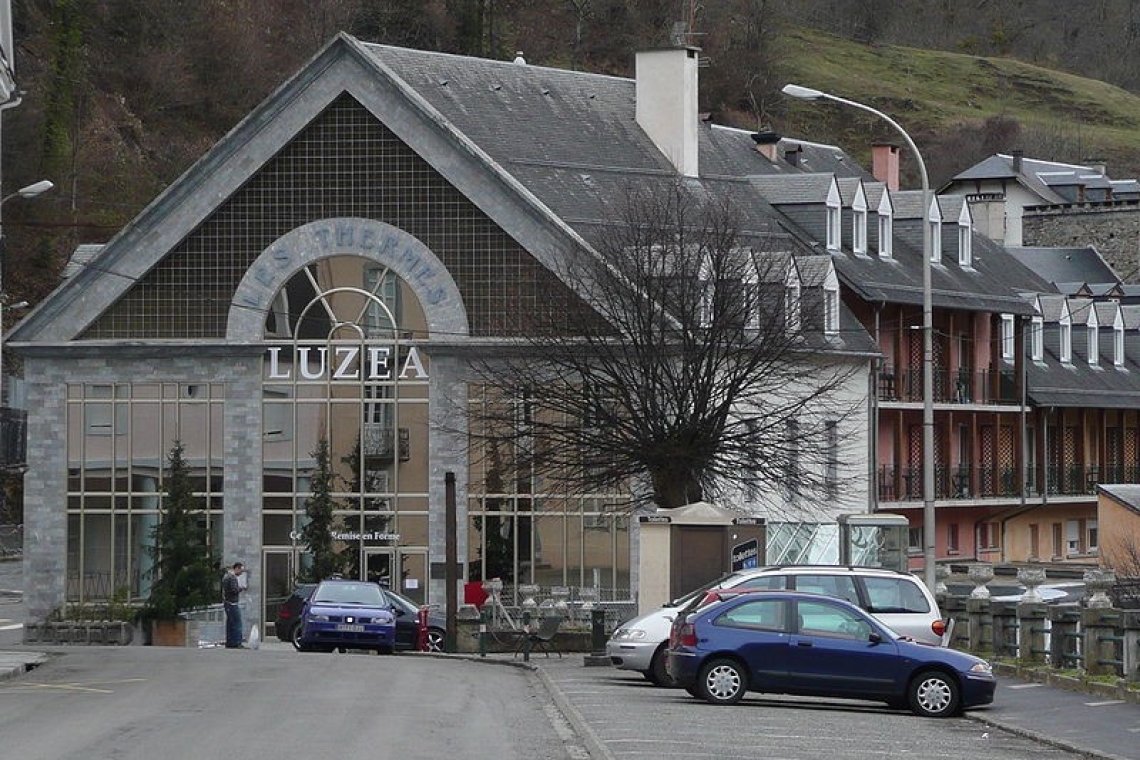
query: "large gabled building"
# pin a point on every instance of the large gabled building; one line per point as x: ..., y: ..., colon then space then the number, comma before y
x: 325, y: 273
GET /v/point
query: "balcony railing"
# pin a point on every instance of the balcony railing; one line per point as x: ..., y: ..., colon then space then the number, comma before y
x: 382, y: 441
x: 950, y: 386
x: 905, y: 483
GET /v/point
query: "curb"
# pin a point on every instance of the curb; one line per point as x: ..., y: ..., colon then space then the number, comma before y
x: 27, y: 662
x: 590, y: 740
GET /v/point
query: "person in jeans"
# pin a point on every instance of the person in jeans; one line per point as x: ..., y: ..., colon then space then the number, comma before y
x: 231, y: 590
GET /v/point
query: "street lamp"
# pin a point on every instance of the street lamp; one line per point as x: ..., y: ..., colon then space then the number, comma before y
x: 28, y: 191
x: 928, y: 535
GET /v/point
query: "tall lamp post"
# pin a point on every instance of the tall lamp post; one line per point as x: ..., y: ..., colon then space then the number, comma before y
x: 928, y: 520
x: 28, y: 191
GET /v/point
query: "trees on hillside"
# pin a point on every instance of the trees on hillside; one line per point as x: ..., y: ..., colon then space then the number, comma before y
x: 693, y: 372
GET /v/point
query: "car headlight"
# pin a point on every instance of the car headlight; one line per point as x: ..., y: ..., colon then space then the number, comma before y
x: 319, y: 618
x: 983, y: 668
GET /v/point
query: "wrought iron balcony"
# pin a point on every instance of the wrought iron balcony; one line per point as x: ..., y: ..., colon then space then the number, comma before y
x: 950, y: 386
x: 905, y: 483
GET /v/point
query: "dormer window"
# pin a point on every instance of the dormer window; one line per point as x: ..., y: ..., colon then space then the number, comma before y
x: 751, y: 297
x: 706, y: 285
x: 792, y: 296
x: 833, y: 218
x: 1066, y: 339
x: 934, y: 223
x: 831, y: 303
x: 886, y: 226
x: 1094, y: 345
x: 859, y: 218
x: 1007, y: 342
x: 1118, y: 343
x: 1037, y: 339
x: 965, y: 238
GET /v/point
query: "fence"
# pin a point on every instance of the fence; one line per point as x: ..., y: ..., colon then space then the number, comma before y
x: 1094, y: 638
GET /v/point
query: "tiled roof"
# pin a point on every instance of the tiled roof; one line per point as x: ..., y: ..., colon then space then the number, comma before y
x: 1066, y: 265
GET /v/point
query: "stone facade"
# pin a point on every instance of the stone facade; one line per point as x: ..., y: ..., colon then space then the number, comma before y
x: 1112, y: 228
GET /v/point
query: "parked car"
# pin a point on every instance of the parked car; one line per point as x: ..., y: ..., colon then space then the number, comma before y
x: 810, y: 645
x: 347, y: 615
x: 406, y: 611
x: 898, y: 599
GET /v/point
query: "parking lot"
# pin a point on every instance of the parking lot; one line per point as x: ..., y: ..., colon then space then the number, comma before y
x: 626, y: 717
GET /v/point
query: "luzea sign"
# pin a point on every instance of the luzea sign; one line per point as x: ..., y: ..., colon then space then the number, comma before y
x: 347, y: 362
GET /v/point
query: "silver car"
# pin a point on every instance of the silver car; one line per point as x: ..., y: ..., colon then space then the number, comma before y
x: 899, y: 600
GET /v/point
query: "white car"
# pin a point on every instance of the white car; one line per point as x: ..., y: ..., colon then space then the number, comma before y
x: 899, y: 600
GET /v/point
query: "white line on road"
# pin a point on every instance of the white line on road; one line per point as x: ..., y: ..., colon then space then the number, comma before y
x: 1025, y: 686
x: 10, y: 626
x: 1105, y: 703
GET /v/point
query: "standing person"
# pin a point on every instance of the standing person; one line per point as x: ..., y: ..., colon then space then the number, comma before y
x: 231, y: 590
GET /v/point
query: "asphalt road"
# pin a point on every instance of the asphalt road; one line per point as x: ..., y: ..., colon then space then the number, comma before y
x: 157, y: 702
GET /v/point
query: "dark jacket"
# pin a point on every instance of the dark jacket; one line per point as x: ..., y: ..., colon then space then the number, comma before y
x: 230, y: 588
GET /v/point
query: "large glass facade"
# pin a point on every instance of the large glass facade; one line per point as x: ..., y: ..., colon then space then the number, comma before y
x: 342, y: 369
x: 119, y: 437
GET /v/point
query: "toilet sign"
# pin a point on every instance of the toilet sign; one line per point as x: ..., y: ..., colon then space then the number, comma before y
x: 746, y: 555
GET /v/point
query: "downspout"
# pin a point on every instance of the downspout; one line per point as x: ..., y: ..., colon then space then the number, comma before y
x: 873, y: 443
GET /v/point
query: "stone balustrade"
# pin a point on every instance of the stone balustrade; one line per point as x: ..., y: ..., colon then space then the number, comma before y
x: 1094, y: 639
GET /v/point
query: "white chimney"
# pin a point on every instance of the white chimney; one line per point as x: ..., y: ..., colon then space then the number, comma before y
x: 667, y: 104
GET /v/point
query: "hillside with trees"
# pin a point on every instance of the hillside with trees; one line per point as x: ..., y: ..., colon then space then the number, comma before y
x: 122, y: 96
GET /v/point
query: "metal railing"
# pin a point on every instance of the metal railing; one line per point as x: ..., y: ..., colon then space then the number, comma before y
x: 950, y: 386
x: 967, y: 482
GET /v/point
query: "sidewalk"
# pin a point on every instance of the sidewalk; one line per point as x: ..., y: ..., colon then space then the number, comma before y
x: 15, y: 664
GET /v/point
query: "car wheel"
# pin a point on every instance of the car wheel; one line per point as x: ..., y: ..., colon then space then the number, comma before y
x: 657, y: 674
x: 722, y: 682
x: 933, y: 694
x: 435, y: 638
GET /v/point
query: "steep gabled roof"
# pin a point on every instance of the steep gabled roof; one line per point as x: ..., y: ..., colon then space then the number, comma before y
x: 1066, y: 264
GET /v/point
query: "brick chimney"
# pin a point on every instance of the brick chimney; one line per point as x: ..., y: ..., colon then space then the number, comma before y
x: 667, y: 104
x: 885, y: 164
x: 767, y: 144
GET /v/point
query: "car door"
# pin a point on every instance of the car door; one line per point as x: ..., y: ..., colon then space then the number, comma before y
x: 830, y: 653
x: 757, y: 630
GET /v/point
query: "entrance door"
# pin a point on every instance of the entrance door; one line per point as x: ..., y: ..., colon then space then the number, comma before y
x: 276, y: 583
x: 380, y: 567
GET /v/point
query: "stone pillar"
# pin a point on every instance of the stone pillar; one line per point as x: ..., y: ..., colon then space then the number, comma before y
x: 1100, y: 639
x: 981, y: 628
x: 1006, y: 640
x: 1031, y: 631
x: 1131, y: 624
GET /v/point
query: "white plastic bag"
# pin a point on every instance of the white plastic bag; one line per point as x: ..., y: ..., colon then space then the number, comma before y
x: 254, y: 638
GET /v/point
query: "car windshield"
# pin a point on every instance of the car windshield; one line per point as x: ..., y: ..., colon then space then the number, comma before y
x: 350, y: 593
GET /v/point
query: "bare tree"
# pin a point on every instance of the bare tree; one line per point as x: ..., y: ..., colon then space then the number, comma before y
x: 693, y: 373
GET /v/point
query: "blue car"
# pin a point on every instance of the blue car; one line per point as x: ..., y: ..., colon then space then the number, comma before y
x: 346, y: 615
x: 810, y: 645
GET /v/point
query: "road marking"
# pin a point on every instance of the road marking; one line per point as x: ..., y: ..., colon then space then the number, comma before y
x: 1105, y: 703
x: 89, y: 688
x: 1025, y: 686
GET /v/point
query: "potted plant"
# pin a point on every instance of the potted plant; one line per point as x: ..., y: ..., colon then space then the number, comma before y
x: 183, y: 570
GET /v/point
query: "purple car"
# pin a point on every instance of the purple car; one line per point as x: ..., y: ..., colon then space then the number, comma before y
x: 347, y: 615
x: 810, y: 645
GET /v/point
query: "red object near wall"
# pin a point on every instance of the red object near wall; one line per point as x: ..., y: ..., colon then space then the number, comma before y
x: 473, y: 593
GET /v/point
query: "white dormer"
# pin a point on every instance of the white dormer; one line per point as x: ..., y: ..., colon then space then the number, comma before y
x: 792, y: 298
x: 859, y: 219
x: 934, y: 224
x: 965, y: 237
x: 831, y: 301
x: 1118, y: 339
x: 886, y: 214
x: 834, y: 209
x: 752, y: 295
x: 1066, y: 329
x: 1037, y: 338
x: 1007, y: 341
x: 1093, y: 333
x: 706, y: 284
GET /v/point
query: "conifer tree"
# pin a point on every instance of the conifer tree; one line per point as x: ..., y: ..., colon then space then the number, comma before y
x: 183, y: 570
x: 317, y: 533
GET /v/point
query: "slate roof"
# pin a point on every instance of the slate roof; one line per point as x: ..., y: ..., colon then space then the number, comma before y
x: 1066, y: 265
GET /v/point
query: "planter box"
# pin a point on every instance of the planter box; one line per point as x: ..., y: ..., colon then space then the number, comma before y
x: 169, y: 633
